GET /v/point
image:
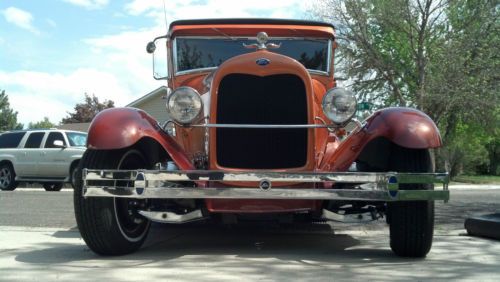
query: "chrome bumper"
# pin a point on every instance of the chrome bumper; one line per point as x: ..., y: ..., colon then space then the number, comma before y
x: 154, y: 184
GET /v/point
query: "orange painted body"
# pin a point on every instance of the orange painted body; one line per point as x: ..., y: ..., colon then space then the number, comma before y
x: 120, y: 128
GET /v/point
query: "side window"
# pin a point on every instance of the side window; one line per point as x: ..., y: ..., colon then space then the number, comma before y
x: 34, y: 140
x: 11, y: 140
x: 53, y: 136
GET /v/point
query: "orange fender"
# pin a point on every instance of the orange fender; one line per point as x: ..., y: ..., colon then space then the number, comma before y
x: 119, y: 128
x: 405, y: 127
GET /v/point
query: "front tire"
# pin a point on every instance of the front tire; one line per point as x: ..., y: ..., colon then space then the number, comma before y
x: 411, y: 223
x: 110, y: 226
x: 7, y: 178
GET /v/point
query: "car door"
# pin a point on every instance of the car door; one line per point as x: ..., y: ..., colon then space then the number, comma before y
x: 54, y: 160
x: 11, y: 148
x: 29, y: 156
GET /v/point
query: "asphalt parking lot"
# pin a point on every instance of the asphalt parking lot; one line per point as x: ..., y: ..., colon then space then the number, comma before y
x: 39, y: 241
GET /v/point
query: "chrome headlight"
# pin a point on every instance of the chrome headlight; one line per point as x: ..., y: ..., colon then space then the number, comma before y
x: 339, y: 105
x: 184, y: 105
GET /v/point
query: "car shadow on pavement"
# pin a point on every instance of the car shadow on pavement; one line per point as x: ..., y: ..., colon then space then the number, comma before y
x: 195, y: 248
x: 166, y: 242
x: 70, y: 233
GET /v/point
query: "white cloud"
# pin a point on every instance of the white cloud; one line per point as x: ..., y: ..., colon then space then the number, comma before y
x: 119, y: 68
x: 121, y: 71
x: 89, y: 4
x: 38, y: 94
x: 124, y: 55
x: 51, y: 23
x: 196, y: 9
x: 20, y: 18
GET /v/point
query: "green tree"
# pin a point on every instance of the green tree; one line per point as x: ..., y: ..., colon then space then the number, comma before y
x: 45, y: 123
x: 436, y: 55
x: 86, y: 111
x: 8, y: 117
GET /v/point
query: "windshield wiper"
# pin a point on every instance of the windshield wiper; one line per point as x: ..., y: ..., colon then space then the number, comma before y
x: 224, y: 34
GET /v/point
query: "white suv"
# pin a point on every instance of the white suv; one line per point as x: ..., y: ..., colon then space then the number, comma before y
x: 47, y: 156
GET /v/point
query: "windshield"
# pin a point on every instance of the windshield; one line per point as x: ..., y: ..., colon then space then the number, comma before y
x: 77, y: 139
x: 196, y: 53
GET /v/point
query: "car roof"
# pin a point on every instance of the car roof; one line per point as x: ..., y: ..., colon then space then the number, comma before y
x: 236, y: 21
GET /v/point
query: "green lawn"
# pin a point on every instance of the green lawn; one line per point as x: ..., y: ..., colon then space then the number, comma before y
x: 477, y: 179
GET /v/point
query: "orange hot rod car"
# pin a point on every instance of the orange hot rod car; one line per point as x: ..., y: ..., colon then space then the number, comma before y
x: 257, y: 130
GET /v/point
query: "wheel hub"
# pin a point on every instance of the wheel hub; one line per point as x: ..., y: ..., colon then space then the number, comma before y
x: 4, y: 177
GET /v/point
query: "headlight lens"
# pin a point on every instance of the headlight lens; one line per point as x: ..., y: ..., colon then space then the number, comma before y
x: 339, y: 105
x: 184, y: 105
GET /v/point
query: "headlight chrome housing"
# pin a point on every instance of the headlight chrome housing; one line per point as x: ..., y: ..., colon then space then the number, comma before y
x: 184, y: 105
x: 339, y: 105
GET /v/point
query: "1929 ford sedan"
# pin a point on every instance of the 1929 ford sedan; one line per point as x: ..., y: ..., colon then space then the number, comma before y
x: 257, y: 131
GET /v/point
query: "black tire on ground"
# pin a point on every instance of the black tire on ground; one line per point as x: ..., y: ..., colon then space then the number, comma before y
x: 73, y: 176
x: 411, y: 223
x: 52, y: 187
x: 110, y: 226
x: 7, y: 177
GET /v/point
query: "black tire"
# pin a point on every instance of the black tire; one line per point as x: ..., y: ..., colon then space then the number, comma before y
x: 73, y: 176
x: 105, y: 223
x: 52, y: 187
x: 7, y: 177
x: 411, y: 223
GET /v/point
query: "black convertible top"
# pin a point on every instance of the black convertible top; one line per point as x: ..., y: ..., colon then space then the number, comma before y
x: 249, y: 21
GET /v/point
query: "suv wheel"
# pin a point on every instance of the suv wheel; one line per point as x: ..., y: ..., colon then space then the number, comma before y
x: 73, y: 175
x: 7, y: 178
x: 52, y: 187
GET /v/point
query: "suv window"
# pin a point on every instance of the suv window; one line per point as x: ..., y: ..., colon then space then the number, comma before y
x: 76, y: 139
x: 34, y: 140
x: 11, y: 140
x: 53, y: 136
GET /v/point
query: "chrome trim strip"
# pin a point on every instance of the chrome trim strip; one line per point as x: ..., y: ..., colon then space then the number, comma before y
x: 257, y: 176
x: 317, y: 72
x: 272, y: 194
x: 213, y: 125
x: 195, y: 71
x: 329, y: 55
x: 145, y: 184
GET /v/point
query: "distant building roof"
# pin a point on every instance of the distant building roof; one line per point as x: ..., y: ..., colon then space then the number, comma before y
x: 84, y: 126
x: 160, y: 91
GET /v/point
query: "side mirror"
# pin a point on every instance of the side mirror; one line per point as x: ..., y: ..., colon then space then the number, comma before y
x: 160, y: 59
x: 59, y: 144
x: 151, y: 47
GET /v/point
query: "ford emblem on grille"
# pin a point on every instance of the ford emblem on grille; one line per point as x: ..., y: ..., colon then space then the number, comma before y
x: 262, y: 62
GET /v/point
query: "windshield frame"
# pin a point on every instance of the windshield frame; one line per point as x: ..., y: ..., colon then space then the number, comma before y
x: 250, y: 38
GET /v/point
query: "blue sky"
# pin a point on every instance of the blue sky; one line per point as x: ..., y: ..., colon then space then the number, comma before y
x: 54, y: 51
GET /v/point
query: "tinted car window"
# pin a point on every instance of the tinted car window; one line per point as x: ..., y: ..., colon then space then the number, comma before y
x: 11, y: 140
x: 53, y: 136
x: 195, y: 53
x: 34, y: 140
x: 77, y: 139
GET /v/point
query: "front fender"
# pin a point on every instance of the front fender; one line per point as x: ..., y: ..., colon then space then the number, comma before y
x: 118, y: 128
x: 406, y: 127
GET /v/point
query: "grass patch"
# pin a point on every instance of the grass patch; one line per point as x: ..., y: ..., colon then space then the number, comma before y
x: 477, y: 179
